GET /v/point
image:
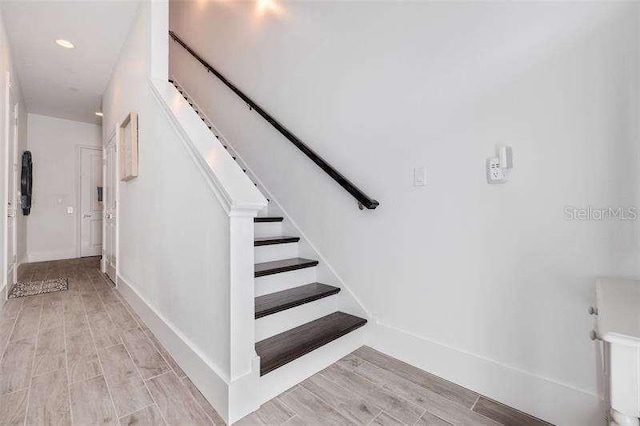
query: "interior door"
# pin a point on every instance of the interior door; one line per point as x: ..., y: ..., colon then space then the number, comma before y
x: 110, y: 185
x: 90, y: 205
x: 12, y: 193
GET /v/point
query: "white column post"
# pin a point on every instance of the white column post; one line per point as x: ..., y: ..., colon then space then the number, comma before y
x: 242, y: 309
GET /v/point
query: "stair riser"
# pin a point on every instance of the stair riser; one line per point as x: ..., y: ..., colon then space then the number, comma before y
x: 268, y: 229
x: 275, y: 252
x: 291, y: 318
x: 285, y: 280
x: 264, y: 212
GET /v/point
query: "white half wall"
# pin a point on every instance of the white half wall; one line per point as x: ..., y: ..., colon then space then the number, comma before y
x: 53, y: 142
x: 166, y: 214
x: 185, y: 224
x: 495, y: 272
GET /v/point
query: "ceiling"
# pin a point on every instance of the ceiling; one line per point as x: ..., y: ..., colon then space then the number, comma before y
x: 66, y: 83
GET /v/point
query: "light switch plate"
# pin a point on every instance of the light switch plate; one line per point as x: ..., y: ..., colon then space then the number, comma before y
x: 420, y: 176
x: 69, y: 210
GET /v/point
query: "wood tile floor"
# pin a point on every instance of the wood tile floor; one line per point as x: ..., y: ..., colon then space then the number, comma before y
x: 84, y: 357
x: 368, y: 387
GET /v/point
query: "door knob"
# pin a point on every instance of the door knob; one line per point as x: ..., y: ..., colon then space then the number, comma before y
x: 84, y: 216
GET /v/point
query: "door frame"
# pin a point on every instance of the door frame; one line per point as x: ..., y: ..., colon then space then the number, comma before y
x: 78, y: 170
x: 112, y: 138
x: 10, y: 127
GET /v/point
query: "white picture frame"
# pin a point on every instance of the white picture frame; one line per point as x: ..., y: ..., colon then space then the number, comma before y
x: 128, y: 137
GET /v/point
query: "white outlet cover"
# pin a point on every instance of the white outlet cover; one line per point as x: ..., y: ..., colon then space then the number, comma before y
x: 495, y: 174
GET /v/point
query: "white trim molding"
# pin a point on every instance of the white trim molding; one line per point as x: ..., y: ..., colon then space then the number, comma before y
x: 44, y: 256
x: 4, y: 266
x: 549, y: 400
x: 207, y: 377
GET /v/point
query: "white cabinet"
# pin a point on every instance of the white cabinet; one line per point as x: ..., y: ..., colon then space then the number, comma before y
x: 618, y: 325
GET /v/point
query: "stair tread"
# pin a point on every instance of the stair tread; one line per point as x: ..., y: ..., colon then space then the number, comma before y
x: 292, y: 297
x: 283, y: 348
x: 284, y: 265
x: 267, y: 241
x: 268, y: 219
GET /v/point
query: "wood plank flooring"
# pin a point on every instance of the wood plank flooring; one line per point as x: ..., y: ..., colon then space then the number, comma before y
x: 83, y: 357
x: 370, y: 388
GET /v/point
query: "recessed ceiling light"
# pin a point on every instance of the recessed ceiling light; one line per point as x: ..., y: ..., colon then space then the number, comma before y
x: 99, y: 114
x: 65, y: 43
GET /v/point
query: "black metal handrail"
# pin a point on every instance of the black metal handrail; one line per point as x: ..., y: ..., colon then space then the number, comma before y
x: 363, y: 199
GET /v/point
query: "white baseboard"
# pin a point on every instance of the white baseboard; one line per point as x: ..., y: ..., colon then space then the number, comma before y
x: 546, y: 399
x: 205, y: 376
x: 22, y: 260
x: 45, y: 256
x: 549, y: 400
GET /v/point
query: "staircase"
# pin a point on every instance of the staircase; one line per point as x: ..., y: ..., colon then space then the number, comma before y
x: 294, y: 314
x: 289, y: 284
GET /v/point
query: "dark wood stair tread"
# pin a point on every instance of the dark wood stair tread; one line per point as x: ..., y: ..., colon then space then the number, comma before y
x: 267, y: 241
x: 292, y: 297
x: 267, y: 219
x: 283, y: 348
x: 284, y: 265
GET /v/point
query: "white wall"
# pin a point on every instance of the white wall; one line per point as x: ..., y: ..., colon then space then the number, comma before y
x: 53, y: 142
x: 174, y: 235
x: 494, y: 273
x: 7, y: 66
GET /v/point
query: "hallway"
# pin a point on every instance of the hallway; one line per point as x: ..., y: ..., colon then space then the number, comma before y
x: 83, y: 356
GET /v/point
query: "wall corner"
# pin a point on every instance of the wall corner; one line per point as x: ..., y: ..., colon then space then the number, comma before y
x: 159, y: 64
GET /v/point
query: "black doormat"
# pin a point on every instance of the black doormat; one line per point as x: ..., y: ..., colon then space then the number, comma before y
x: 32, y: 288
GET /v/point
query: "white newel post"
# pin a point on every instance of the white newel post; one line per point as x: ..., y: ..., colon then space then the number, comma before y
x: 242, y: 309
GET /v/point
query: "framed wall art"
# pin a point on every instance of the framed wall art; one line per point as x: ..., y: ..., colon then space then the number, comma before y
x: 128, y: 135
